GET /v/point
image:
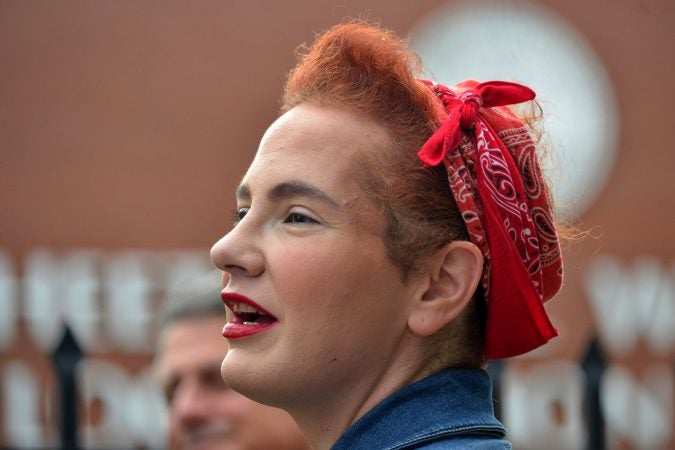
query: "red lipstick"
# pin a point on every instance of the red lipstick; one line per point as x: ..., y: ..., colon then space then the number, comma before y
x: 248, y: 318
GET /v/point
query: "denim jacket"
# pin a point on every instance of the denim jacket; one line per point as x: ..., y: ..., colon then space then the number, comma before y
x: 448, y: 410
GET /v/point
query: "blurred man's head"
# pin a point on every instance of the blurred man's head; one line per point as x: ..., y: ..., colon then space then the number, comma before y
x: 203, y: 412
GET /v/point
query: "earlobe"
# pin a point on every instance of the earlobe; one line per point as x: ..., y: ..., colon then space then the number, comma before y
x: 453, y: 276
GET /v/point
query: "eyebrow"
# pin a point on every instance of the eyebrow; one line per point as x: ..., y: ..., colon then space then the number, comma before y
x: 289, y: 189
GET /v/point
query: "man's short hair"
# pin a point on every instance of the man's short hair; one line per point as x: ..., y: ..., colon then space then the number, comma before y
x: 193, y: 297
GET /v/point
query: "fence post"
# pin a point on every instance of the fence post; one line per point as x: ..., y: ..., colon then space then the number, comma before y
x: 594, y: 364
x: 64, y: 359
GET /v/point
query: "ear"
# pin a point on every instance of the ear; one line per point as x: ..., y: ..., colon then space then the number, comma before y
x: 453, y: 276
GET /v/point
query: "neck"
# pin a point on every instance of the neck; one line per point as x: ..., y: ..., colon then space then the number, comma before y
x: 324, y: 417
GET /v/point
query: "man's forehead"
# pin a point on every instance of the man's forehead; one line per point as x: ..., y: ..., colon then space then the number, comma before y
x: 192, y: 341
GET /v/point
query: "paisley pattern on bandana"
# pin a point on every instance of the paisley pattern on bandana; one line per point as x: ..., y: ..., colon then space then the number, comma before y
x: 496, y: 181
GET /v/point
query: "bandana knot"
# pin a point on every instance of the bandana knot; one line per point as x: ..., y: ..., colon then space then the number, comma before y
x: 471, y: 101
x: 494, y: 176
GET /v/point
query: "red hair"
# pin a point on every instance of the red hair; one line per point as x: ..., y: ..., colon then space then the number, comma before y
x: 368, y: 69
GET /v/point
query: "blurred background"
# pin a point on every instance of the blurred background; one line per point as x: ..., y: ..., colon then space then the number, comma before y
x: 126, y: 125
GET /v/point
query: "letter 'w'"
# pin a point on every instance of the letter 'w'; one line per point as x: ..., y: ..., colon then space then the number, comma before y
x: 632, y: 302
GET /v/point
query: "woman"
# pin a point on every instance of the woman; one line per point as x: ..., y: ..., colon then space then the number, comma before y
x: 391, y: 236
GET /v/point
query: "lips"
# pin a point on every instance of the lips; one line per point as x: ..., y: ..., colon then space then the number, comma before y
x: 248, y: 319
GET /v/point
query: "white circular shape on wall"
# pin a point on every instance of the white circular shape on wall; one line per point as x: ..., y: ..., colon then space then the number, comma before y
x: 523, y: 42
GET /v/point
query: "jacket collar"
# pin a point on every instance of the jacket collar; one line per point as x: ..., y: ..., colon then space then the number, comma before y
x: 451, y: 402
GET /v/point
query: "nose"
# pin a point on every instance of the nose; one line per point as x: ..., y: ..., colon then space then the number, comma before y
x: 190, y: 407
x: 239, y: 252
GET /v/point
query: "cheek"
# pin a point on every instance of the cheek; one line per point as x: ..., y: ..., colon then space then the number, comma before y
x: 338, y: 283
x: 325, y: 268
x: 306, y: 266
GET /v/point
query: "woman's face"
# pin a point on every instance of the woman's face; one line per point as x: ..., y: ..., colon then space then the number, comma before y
x: 308, y: 253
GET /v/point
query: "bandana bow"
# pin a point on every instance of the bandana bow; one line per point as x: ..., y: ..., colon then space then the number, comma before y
x: 463, y: 112
x: 495, y: 179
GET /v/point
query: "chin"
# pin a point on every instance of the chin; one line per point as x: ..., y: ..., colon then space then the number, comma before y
x: 256, y: 381
x: 245, y: 378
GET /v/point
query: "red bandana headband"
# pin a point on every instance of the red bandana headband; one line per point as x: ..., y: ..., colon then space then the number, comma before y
x: 496, y: 182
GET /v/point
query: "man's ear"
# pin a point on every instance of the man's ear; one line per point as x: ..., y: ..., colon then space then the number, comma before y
x: 454, y: 273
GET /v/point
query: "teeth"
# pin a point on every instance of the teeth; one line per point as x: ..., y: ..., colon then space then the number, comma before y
x: 243, y: 308
x: 249, y: 323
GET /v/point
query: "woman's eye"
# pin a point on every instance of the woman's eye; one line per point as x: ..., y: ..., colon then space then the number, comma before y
x: 298, y: 218
x: 239, y: 214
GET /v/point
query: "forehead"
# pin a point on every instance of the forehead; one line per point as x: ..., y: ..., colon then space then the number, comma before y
x: 317, y: 141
